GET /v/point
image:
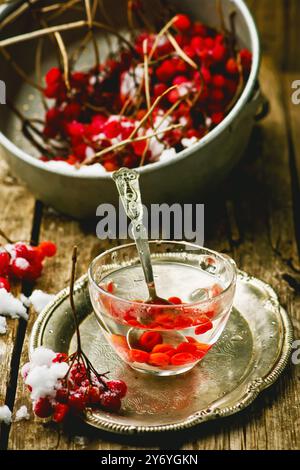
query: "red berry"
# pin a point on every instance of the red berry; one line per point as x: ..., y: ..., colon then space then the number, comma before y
x: 62, y: 395
x: 159, y: 89
x: 4, y: 284
x: 60, y: 412
x: 164, y: 348
x: 217, y: 118
x: 182, y: 22
x: 43, y: 408
x: 20, y: 267
x: 4, y: 262
x: 48, y: 249
x: 219, y: 53
x: 175, y: 300
x: 94, y: 395
x: 149, y: 339
x: 60, y: 357
x: 77, y: 400
x: 118, y: 387
x: 219, y: 81
x: 232, y: 67
x: 110, y: 401
x: 21, y: 250
x: 181, y: 359
x: 166, y: 71
x: 173, y: 96
x: 159, y: 359
x: 136, y: 355
x: 205, y: 324
x: 246, y: 59
x: 186, y: 347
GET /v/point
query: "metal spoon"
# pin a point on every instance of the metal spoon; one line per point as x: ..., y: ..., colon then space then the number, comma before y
x: 127, y: 182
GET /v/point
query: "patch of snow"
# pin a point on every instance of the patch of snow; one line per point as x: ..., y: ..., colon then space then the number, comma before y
x: 43, y: 379
x: 40, y: 299
x: 188, y: 142
x: 22, y: 414
x: 167, y: 154
x: 90, y: 170
x: 42, y: 357
x: 10, y: 306
x: 25, y: 300
x: 5, y: 414
x: 3, y: 326
x: 22, y: 263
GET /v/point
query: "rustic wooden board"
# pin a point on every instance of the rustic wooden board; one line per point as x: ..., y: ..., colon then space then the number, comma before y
x: 258, y: 224
x: 16, y: 208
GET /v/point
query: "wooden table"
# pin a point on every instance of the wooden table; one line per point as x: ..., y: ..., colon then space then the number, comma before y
x: 255, y: 219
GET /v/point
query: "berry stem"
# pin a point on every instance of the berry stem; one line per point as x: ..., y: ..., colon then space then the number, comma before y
x: 72, y: 282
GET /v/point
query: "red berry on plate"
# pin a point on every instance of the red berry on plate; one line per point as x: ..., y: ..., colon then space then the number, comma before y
x: 60, y: 412
x: 110, y: 401
x: 182, y: 22
x: 4, y: 262
x: 77, y: 400
x: 48, y: 249
x: 60, y: 357
x: 118, y: 387
x: 219, y: 53
x: 43, y: 408
x: 4, y: 284
x: 62, y: 395
x: 94, y: 395
x: 149, y: 339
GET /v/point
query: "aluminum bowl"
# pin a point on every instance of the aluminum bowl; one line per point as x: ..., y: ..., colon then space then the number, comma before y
x: 189, y: 176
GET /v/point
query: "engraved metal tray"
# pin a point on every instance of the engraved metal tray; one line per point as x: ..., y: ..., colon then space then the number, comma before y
x: 249, y: 357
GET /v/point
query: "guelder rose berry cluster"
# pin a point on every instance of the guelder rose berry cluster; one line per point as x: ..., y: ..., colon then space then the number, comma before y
x: 203, y: 65
x: 61, y: 386
x: 22, y: 261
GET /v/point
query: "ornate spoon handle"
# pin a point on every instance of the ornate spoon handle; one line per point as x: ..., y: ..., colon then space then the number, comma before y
x: 127, y: 182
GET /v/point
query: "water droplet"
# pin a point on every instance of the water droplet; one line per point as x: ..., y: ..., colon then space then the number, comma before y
x: 50, y: 331
x: 199, y: 295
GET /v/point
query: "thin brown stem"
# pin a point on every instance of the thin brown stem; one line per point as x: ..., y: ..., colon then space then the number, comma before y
x: 72, y: 302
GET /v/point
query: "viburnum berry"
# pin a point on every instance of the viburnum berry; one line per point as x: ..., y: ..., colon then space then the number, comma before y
x: 94, y: 395
x: 77, y: 400
x: 149, y: 339
x: 110, y: 402
x: 61, y: 410
x: 62, y: 395
x: 166, y: 71
x: 118, y: 387
x: 4, y: 284
x: 20, y: 267
x: 4, y: 262
x: 60, y: 357
x: 232, y: 67
x: 43, y: 408
x: 182, y: 22
x: 48, y: 249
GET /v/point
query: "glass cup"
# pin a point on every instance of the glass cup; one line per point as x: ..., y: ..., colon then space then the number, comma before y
x: 170, y: 339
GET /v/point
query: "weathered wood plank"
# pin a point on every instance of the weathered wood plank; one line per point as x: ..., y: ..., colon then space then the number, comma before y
x: 16, y: 207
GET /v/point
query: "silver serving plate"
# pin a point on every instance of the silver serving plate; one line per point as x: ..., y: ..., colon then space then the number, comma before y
x: 249, y: 357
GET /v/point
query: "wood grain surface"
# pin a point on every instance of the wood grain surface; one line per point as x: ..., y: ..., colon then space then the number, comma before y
x: 256, y: 220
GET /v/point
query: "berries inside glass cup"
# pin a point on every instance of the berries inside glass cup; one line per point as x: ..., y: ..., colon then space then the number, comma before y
x: 163, y: 339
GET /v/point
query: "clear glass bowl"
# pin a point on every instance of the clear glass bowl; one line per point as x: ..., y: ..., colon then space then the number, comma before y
x: 163, y: 339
